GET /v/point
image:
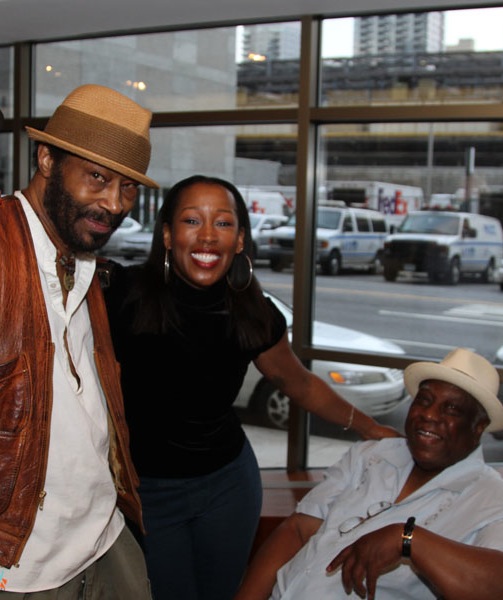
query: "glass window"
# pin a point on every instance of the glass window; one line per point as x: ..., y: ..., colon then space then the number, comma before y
x: 195, y: 70
x: 378, y: 225
x: 401, y: 169
x: 363, y: 224
x: 6, y: 162
x: 7, y: 81
x: 229, y: 152
x: 348, y: 224
x: 416, y: 58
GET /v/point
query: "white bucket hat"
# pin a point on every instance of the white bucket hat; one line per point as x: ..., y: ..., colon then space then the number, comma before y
x: 467, y: 370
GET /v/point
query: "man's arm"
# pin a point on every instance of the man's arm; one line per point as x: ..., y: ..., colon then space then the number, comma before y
x: 284, y: 542
x: 453, y: 570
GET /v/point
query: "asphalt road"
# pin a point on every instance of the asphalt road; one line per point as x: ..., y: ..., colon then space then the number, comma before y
x: 425, y: 320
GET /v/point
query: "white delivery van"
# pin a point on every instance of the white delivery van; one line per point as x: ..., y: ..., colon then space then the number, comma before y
x: 346, y: 238
x: 444, y: 246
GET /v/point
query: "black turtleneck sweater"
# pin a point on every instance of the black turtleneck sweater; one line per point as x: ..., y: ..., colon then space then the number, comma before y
x: 179, y: 387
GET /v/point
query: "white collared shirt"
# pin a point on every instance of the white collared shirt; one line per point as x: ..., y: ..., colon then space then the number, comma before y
x: 79, y: 520
x: 462, y: 503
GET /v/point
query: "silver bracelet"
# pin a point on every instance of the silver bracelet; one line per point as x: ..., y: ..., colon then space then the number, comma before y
x: 350, y: 422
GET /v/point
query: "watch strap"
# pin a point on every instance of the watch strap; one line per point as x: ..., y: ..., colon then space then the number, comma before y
x: 407, y: 534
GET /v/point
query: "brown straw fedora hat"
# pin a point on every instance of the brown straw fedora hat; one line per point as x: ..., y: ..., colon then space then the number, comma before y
x: 467, y: 370
x: 103, y: 126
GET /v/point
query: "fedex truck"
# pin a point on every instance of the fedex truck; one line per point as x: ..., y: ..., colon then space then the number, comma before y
x: 394, y: 200
x: 275, y: 200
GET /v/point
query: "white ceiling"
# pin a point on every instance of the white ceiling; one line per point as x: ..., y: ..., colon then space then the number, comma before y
x: 38, y: 20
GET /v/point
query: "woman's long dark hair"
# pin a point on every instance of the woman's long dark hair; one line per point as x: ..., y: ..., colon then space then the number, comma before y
x: 157, y: 312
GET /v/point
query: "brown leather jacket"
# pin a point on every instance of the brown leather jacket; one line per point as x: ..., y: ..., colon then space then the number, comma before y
x: 26, y: 366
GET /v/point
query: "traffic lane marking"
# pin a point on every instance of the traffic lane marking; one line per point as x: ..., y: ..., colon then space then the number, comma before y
x: 443, y: 317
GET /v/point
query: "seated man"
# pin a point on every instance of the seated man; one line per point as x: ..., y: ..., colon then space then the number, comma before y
x: 413, y: 518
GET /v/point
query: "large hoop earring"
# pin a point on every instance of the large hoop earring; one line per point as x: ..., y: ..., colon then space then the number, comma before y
x: 235, y: 276
x: 166, y: 266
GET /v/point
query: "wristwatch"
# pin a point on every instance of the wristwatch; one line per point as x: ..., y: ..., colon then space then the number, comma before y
x: 407, y: 533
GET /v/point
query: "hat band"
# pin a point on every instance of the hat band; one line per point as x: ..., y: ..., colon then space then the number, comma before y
x: 103, y: 138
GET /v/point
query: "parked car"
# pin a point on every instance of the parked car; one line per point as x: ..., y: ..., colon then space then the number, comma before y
x: 261, y: 226
x: 346, y: 238
x: 374, y: 390
x: 127, y: 228
x: 499, y: 275
x: 138, y: 244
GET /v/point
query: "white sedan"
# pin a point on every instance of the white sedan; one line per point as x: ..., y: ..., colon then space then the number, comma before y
x: 138, y: 244
x: 128, y: 227
x: 499, y: 276
x: 261, y: 226
x: 374, y: 390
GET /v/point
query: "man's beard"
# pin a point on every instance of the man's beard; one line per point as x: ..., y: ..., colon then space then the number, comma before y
x: 64, y: 211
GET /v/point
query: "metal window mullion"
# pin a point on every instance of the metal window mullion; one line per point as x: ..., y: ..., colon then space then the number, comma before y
x: 303, y: 281
x: 21, y: 110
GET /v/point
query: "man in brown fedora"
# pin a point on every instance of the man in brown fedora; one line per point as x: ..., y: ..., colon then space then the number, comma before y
x: 67, y: 482
x: 402, y: 519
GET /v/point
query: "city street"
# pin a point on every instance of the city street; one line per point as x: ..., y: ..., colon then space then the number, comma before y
x: 424, y: 319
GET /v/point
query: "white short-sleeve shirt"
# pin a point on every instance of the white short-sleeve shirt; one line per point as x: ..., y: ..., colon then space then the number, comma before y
x: 463, y: 503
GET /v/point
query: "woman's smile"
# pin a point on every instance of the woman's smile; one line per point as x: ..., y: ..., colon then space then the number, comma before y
x: 206, y: 260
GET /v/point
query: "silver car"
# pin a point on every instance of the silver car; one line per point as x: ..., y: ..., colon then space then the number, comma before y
x: 138, y: 244
x: 374, y: 390
x: 499, y: 275
x: 261, y: 226
x: 127, y: 228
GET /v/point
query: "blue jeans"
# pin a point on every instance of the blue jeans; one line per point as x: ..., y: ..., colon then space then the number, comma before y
x: 200, y: 530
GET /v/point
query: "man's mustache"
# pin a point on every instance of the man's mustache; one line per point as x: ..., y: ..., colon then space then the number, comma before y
x: 112, y: 221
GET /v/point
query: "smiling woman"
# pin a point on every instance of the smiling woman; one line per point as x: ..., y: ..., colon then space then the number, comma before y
x: 195, y: 309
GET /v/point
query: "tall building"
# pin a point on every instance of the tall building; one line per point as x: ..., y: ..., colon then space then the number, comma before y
x: 463, y: 45
x: 399, y: 33
x: 278, y: 41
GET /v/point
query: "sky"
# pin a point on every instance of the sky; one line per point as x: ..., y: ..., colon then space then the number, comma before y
x: 483, y: 25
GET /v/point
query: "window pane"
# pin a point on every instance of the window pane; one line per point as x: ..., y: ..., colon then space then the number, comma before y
x: 206, y: 69
x: 399, y: 170
x: 434, y: 57
x: 6, y: 162
x: 6, y: 81
x: 248, y: 155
